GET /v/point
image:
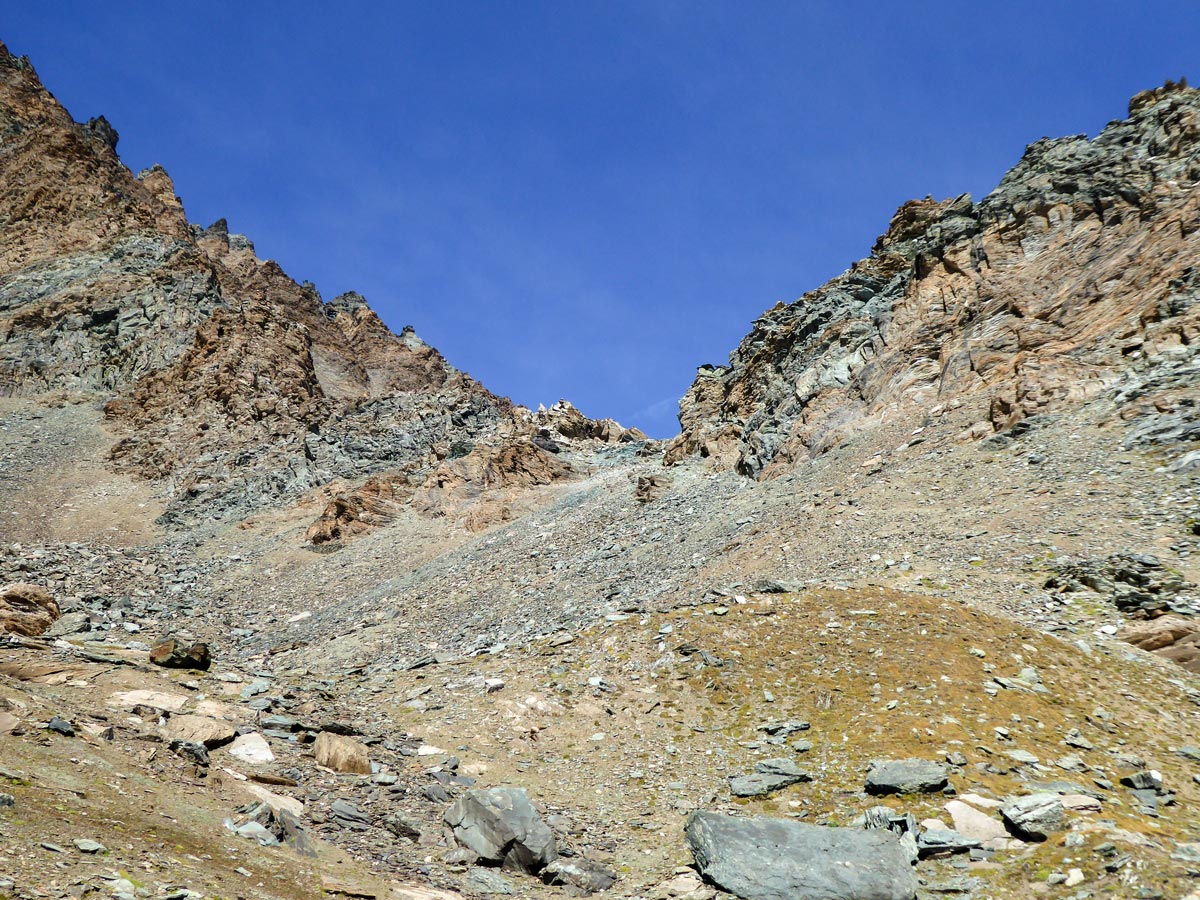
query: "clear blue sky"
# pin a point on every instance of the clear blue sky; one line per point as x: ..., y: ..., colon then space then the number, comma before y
x: 587, y: 199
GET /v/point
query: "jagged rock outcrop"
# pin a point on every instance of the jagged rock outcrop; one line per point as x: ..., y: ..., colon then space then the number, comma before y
x: 228, y: 382
x: 1076, y: 274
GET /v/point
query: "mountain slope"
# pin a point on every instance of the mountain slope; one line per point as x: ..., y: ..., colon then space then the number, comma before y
x: 971, y: 466
x: 231, y: 385
x: 1076, y: 270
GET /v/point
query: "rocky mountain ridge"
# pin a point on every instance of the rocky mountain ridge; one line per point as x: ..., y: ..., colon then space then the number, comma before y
x: 1079, y: 265
x: 230, y: 383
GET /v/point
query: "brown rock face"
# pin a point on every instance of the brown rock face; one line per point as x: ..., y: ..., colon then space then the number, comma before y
x: 1173, y: 637
x: 342, y: 754
x: 26, y: 609
x: 1078, y: 270
x: 478, y: 487
x: 229, y: 383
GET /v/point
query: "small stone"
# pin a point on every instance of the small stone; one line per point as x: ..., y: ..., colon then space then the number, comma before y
x: 1022, y: 756
x: 85, y: 845
x: 61, y: 726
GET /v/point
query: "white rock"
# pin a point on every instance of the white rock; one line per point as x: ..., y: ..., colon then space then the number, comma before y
x: 252, y: 748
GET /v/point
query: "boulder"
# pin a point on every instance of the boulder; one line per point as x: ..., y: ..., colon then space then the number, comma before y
x: 252, y: 748
x: 211, y: 733
x: 776, y: 859
x: 501, y: 826
x: 974, y: 823
x: 1034, y: 817
x: 584, y: 875
x: 342, y: 754
x: 174, y: 653
x: 26, y: 609
x: 905, y: 776
x: 937, y: 841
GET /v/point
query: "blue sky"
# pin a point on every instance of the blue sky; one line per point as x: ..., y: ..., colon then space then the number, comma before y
x: 587, y: 199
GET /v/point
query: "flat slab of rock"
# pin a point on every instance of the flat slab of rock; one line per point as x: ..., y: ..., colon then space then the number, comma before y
x: 974, y: 823
x: 252, y: 748
x: 501, y: 826
x: 154, y: 699
x: 936, y: 841
x: 905, y: 776
x: 769, y: 775
x: 212, y: 733
x: 777, y: 859
x: 342, y: 754
x: 1035, y: 817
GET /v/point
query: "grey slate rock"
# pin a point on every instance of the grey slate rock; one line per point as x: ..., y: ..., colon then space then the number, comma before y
x: 191, y: 750
x: 770, y: 775
x: 503, y: 828
x: 1034, y: 817
x: 487, y: 881
x: 905, y: 776
x: 348, y: 815
x: 776, y: 859
x: 584, y: 875
x: 933, y: 842
x: 62, y: 726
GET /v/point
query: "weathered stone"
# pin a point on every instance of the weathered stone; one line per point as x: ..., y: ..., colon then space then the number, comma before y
x: 770, y: 775
x: 974, y: 823
x: 935, y: 841
x: 251, y: 748
x: 26, y: 609
x: 584, y: 875
x: 211, y: 733
x: 776, y: 859
x: 342, y: 754
x: 348, y: 815
x: 905, y: 776
x: 176, y: 654
x: 488, y: 881
x: 503, y: 828
x: 1035, y: 816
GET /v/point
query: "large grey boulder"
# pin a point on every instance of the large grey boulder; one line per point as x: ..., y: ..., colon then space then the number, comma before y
x: 501, y: 826
x: 905, y: 776
x: 1035, y: 816
x: 776, y: 859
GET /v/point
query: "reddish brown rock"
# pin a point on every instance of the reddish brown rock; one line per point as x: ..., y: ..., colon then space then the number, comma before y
x: 26, y: 609
x: 1173, y: 637
x: 176, y: 654
x: 1044, y: 293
